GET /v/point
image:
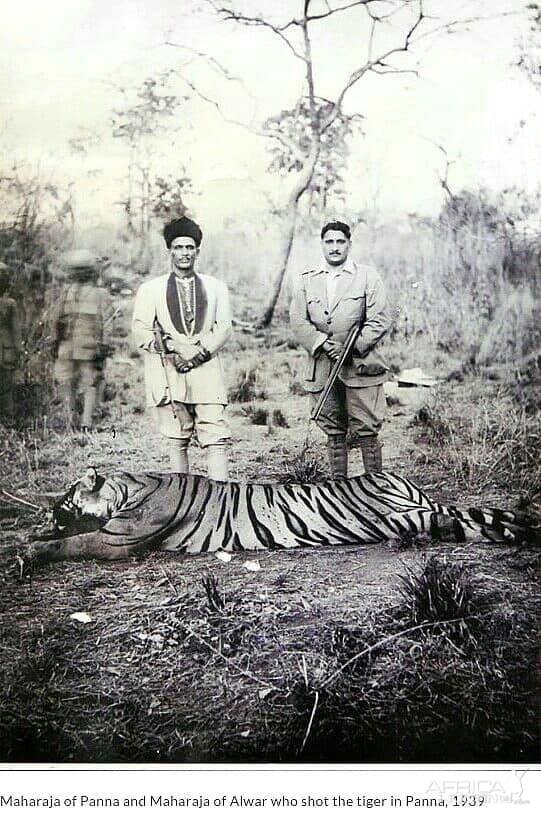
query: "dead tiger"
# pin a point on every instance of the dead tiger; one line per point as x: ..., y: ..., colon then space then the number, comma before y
x: 124, y: 514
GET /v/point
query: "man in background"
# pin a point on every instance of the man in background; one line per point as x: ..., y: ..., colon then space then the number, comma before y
x: 328, y: 301
x: 77, y: 338
x: 181, y: 320
x: 10, y: 346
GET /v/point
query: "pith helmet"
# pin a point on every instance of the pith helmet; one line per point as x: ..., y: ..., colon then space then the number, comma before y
x: 79, y: 259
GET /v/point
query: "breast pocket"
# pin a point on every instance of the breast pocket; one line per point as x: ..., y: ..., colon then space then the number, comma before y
x: 353, y: 306
x: 315, y: 307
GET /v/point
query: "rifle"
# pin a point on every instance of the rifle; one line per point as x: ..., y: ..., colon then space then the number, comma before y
x: 159, y: 345
x: 335, y: 370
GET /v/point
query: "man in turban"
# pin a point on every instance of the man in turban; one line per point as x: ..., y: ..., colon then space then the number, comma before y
x: 185, y: 387
x: 328, y: 301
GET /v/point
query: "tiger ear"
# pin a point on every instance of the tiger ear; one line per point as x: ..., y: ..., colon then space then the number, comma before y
x: 90, y: 479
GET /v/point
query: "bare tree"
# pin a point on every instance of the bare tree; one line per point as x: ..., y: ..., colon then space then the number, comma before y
x: 393, y: 27
x: 296, y: 35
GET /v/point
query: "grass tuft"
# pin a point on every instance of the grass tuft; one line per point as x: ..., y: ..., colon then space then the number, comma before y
x: 441, y: 592
x: 304, y: 467
x: 279, y: 419
x: 256, y: 414
x: 215, y: 598
x: 246, y: 387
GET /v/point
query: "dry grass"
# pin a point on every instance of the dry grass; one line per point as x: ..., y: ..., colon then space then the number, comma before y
x: 246, y: 387
x: 305, y: 467
x: 188, y: 660
x: 441, y: 592
x: 256, y: 414
x: 493, y: 443
x: 347, y: 654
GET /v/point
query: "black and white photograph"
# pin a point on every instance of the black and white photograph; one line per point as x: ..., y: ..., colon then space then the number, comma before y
x: 270, y: 380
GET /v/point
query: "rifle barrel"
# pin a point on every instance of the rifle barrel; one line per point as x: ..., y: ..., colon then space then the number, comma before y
x: 335, y: 370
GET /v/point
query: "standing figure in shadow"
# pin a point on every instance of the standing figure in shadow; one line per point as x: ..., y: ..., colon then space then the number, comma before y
x: 10, y: 347
x: 77, y: 338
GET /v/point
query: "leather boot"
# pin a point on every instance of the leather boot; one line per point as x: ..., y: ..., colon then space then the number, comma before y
x: 338, y: 456
x: 178, y: 456
x: 371, y: 451
x: 217, y: 463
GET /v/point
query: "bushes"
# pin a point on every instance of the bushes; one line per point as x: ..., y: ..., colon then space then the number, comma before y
x: 35, y: 224
x: 466, y: 284
x: 496, y: 443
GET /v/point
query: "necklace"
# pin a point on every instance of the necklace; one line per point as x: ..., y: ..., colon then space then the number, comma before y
x: 189, y: 292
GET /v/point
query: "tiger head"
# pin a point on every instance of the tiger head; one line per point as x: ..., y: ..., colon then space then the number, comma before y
x: 85, y: 506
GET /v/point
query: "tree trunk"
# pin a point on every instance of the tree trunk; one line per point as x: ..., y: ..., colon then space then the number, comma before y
x: 292, y: 208
x: 283, y: 258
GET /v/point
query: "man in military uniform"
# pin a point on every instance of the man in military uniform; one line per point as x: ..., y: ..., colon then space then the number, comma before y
x: 185, y: 387
x: 10, y: 346
x: 327, y: 302
x: 77, y: 337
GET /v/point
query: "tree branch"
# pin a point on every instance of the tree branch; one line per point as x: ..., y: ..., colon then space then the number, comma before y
x: 371, y: 38
x: 314, y: 121
x: 332, y: 11
x: 388, y: 69
x: 453, y: 24
x: 221, y: 69
x: 444, y: 179
x: 213, y: 103
x: 250, y: 127
x: 372, y: 65
x: 258, y: 21
x: 228, y: 14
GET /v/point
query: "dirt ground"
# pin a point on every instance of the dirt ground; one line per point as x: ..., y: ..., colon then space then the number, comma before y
x: 165, y: 669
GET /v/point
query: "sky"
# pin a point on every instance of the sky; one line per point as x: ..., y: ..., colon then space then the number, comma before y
x: 62, y: 62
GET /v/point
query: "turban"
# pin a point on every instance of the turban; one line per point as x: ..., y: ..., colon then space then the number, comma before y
x: 182, y: 228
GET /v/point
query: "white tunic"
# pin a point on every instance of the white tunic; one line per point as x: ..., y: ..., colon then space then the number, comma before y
x: 203, y: 384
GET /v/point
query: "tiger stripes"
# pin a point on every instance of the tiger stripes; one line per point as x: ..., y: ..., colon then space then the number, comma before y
x: 191, y: 514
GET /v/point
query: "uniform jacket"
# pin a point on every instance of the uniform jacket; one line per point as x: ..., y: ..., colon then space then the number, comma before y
x: 158, y: 298
x: 359, y: 298
x: 77, y: 325
x: 10, y: 333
